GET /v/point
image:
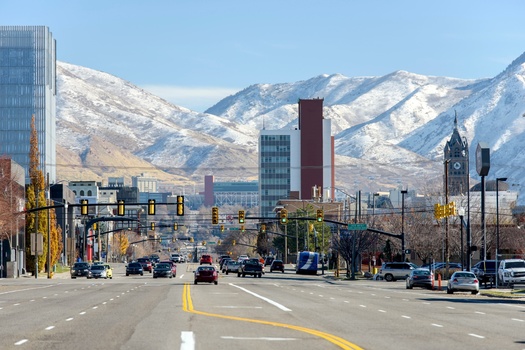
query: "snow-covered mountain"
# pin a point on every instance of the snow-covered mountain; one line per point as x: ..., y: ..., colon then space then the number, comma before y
x: 390, y: 131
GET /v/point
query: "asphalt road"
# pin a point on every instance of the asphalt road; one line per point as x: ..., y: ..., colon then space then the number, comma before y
x: 273, y: 312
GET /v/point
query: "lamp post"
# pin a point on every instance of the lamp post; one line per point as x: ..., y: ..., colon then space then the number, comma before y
x: 461, y: 214
x: 497, y: 223
x: 403, y: 193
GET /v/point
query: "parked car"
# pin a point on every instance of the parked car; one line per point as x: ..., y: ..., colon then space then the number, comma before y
x: 162, y: 270
x: 231, y: 266
x: 134, y: 268
x: 206, y: 259
x: 100, y: 271
x: 511, y: 271
x: 172, y: 265
x: 485, y: 271
x: 277, y: 265
x: 146, y: 264
x: 206, y: 274
x: 392, y: 271
x: 420, y: 278
x: 79, y: 269
x: 463, y: 281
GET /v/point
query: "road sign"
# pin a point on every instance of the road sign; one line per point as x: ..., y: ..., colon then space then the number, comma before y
x: 357, y: 227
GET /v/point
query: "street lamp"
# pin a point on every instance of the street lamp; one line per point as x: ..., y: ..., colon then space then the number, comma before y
x: 403, y: 192
x: 497, y: 223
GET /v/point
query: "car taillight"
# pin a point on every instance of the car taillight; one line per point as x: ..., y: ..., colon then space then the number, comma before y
x: 455, y: 280
x: 476, y: 281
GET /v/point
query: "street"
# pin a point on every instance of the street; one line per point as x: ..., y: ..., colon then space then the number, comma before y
x: 275, y: 311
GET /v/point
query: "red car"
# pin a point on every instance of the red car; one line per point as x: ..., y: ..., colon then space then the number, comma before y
x: 146, y: 264
x: 173, y: 266
x: 206, y: 274
x: 206, y: 259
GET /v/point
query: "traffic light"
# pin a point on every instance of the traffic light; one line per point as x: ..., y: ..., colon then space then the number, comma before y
x: 219, y: 242
x: 180, y: 205
x: 320, y: 215
x: 284, y: 216
x: 242, y: 228
x: 121, y: 208
x: 152, y: 226
x: 214, y: 215
x: 83, y: 207
x: 233, y: 242
x: 452, y: 208
x: 203, y: 242
x: 241, y: 216
x: 192, y: 240
x: 222, y: 228
x: 436, y: 211
x: 151, y: 207
x: 175, y: 226
x: 95, y: 226
x: 263, y: 228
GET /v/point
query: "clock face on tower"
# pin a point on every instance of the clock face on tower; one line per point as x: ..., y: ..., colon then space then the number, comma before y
x: 457, y: 165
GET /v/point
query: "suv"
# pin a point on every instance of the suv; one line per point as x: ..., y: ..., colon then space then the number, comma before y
x: 485, y: 271
x: 392, y: 271
x: 511, y: 271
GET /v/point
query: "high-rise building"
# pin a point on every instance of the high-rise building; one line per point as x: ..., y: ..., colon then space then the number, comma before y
x: 27, y: 89
x: 294, y: 162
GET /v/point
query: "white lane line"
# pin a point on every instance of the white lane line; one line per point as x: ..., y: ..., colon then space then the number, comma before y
x: 381, y: 310
x: 451, y: 308
x: 282, y: 307
x: 49, y: 328
x: 20, y: 342
x: 257, y: 338
x: 187, y: 341
x: 16, y: 304
x: 476, y: 336
x: 69, y: 319
x: 517, y: 319
x: 362, y: 305
x: 480, y: 313
x: 426, y: 303
x: 82, y: 313
x: 437, y: 325
x: 404, y: 316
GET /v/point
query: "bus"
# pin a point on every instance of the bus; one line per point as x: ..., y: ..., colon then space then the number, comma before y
x: 307, y: 263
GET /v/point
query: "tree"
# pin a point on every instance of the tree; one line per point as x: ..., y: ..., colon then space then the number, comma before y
x: 35, y: 198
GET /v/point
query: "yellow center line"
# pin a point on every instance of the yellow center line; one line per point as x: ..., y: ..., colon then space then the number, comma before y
x: 187, y: 305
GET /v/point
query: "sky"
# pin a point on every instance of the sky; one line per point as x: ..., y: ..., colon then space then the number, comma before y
x: 195, y: 53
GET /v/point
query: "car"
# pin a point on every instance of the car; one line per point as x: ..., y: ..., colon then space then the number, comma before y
x: 231, y: 266
x: 242, y: 257
x: 391, y: 271
x: 463, y: 281
x: 162, y: 270
x: 250, y: 267
x: 511, y: 271
x: 206, y: 259
x: 79, y: 269
x: 206, y: 274
x: 222, y: 265
x: 220, y: 258
x: 100, y: 271
x: 268, y: 261
x: 420, y: 278
x: 172, y: 265
x: 134, y: 268
x: 277, y: 265
x: 146, y: 264
x: 176, y: 258
x: 485, y: 271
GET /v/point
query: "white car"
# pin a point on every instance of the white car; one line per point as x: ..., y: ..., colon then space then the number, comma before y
x: 242, y: 257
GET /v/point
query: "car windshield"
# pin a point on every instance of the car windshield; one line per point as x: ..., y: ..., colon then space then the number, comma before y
x: 465, y: 275
x: 421, y: 272
x: 135, y: 265
x: 81, y: 266
x: 97, y: 267
x: 163, y: 266
x: 514, y: 264
x: 206, y: 268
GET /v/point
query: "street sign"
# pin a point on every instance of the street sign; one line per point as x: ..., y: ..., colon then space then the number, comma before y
x: 357, y: 227
x: 211, y: 242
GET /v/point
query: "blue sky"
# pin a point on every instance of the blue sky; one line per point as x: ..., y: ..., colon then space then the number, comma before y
x: 194, y: 53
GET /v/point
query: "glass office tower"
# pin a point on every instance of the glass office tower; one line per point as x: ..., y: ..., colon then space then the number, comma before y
x: 28, y: 88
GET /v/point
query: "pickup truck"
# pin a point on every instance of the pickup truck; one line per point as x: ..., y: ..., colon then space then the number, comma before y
x: 250, y: 267
x: 511, y: 271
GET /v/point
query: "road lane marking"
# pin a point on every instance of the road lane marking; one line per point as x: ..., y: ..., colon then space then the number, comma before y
x: 381, y: 310
x: 274, y: 303
x: 437, y: 325
x: 451, y: 308
x: 187, y: 306
x: 187, y: 341
x: 405, y: 316
x: 517, y: 319
x: 480, y: 313
x: 20, y: 342
x: 476, y: 336
x: 49, y: 328
x: 69, y: 319
x: 257, y: 338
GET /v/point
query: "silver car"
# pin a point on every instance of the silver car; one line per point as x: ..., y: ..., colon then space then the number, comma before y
x: 463, y: 281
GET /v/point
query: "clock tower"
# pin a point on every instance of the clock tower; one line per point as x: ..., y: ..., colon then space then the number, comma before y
x: 457, y: 157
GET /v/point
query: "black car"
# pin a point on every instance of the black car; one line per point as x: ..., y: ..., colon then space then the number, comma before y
x: 134, y: 268
x: 277, y: 265
x: 162, y: 270
x: 80, y: 269
x: 485, y: 271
